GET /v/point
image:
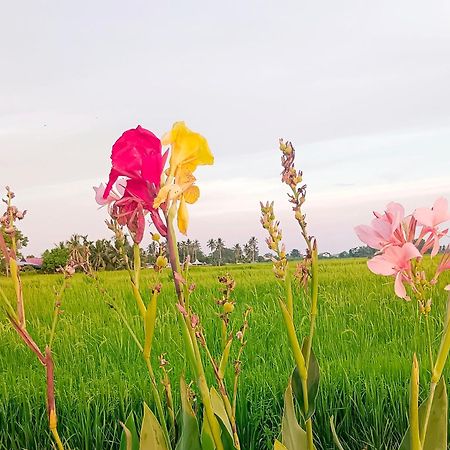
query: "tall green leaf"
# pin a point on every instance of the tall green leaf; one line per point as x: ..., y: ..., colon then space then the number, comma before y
x: 312, y: 382
x: 190, y: 436
x: 206, y: 437
x: 219, y: 410
x: 292, y: 434
x: 152, y: 436
x: 224, y: 422
x: 129, y: 425
x: 436, y: 438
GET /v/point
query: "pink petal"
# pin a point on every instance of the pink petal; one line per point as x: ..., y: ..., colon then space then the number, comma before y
x: 424, y: 216
x: 399, y: 287
x: 447, y: 288
x: 396, y: 212
x: 367, y: 235
x: 379, y: 265
x: 440, y: 210
x: 99, y: 195
x: 435, y: 249
x: 410, y: 251
x: 383, y: 228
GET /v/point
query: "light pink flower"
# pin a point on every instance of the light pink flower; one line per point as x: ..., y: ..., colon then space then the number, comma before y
x: 385, y: 229
x: 396, y: 261
x: 447, y: 288
x: 111, y: 197
x: 430, y: 218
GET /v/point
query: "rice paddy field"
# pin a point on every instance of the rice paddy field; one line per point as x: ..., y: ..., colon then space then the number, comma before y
x: 364, y: 343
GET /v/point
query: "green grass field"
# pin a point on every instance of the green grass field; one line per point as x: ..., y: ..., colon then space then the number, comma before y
x: 364, y: 344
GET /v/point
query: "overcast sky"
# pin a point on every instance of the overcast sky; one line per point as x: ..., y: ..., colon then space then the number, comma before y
x: 361, y: 88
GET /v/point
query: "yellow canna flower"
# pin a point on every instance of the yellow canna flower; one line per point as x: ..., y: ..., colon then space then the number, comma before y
x: 189, y: 149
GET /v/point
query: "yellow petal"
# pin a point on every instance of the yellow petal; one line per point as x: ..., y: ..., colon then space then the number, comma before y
x: 189, y: 149
x: 161, y: 197
x: 191, y: 194
x: 184, y: 176
x: 167, y: 192
x: 182, y: 216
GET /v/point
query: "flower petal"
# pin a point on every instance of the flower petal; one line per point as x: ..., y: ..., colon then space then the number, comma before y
x: 399, y: 287
x: 182, y: 216
x: 381, y: 266
x: 440, y: 210
x: 424, y: 216
x: 191, y: 194
x: 368, y: 235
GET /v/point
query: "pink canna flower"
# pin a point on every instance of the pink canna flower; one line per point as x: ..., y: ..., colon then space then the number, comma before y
x: 396, y: 261
x: 430, y: 218
x: 385, y: 229
x: 136, y: 155
x: 130, y: 210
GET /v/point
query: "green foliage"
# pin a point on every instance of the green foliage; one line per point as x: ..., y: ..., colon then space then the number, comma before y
x: 312, y: 383
x: 436, y: 438
x: 190, y: 435
x: 364, y: 342
x: 54, y: 259
x: 152, y: 436
x: 130, y: 425
x: 293, y: 436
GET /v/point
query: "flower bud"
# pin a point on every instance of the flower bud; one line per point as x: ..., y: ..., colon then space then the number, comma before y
x: 228, y: 307
x: 161, y: 262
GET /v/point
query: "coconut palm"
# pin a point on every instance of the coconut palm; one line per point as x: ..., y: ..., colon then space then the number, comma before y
x: 220, y: 245
x: 196, y: 249
x: 237, y: 253
x: 253, y: 248
x: 99, y: 254
x: 211, y: 244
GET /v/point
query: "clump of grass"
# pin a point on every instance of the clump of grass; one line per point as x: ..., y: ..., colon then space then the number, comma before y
x: 364, y: 341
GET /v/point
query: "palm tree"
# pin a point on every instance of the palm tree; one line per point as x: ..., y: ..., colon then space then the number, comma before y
x: 237, y: 253
x: 253, y: 247
x: 195, y: 249
x: 99, y: 254
x: 247, y: 252
x: 79, y: 248
x: 211, y: 244
x: 220, y: 245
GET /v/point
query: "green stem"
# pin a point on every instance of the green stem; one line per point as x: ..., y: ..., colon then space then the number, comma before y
x: 204, y: 391
x: 226, y: 400
x: 157, y: 398
x: 56, y: 311
x: 289, y: 296
x: 314, y: 300
x: 137, y: 264
x: 293, y: 341
x: 301, y: 366
x: 197, y: 360
x: 414, y: 407
x: 424, y: 430
x: 430, y: 350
